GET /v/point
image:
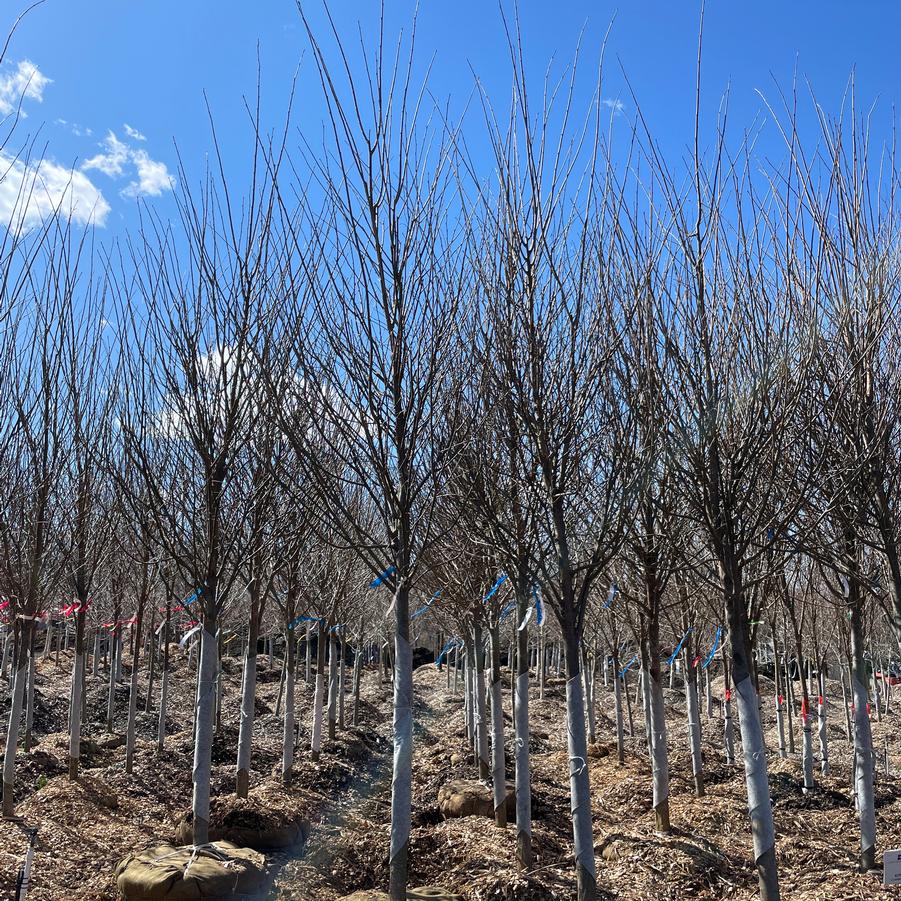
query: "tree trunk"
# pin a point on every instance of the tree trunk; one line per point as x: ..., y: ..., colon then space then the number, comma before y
x: 457, y: 665
x: 151, y: 656
x: 118, y: 658
x: 316, y: 731
x: 790, y: 703
x: 95, y: 661
x: 694, y: 724
x: 332, y: 685
x: 579, y: 786
x: 308, y: 671
x: 133, y: 691
x: 629, y: 718
x: 806, y: 731
x: 402, y: 774
x: 659, y: 750
x: 358, y: 674
x: 164, y: 688
x: 618, y: 710
x: 248, y: 693
x: 468, y: 707
x: 863, y: 743
x: 467, y: 718
x: 219, y: 683
x: 588, y: 680
x: 4, y: 662
x: 877, y: 694
x: 20, y: 675
x: 29, y: 700
x: 542, y: 661
x: 481, y: 719
x: 498, y: 765
x: 756, y: 780
x: 164, y: 700
x: 342, y: 645
x: 821, y: 722
x: 288, y: 723
x: 646, y: 703
x: 522, y: 733
x: 111, y: 696
x: 77, y: 694
x: 205, y: 710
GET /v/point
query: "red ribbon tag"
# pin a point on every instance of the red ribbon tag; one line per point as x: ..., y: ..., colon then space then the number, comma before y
x: 728, y: 694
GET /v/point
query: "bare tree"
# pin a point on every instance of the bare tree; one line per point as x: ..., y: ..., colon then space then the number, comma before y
x: 88, y: 360
x: 30, y: 471
x: 554, y: 328
x: 198, y: 320
x: 738, y: 398
x: 257, y: 460
x: 373, y: 350
x: 654, y: 550
x: 493, y: 486
x: 852, y: 268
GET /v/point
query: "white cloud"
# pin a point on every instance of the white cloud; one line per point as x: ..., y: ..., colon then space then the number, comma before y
x: 26, y: 82
x: 133, y: 133
x: 153, y: 177
x: 112, y: 161
x: 79, y: 131
x: 615, y: 104
x: 212, y: 371
x: 33, y: 192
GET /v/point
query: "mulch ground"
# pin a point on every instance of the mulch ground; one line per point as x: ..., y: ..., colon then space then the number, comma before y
x: 86, y: 827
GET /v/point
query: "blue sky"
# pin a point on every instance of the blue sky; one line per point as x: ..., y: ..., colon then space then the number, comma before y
x: 96, y: 67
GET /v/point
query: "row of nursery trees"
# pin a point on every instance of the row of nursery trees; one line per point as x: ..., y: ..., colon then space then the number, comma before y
x: 431, y: 354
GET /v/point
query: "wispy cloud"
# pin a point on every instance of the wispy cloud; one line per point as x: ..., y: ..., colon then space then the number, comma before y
x: 615, y: 104
x: 79, y: 131
x: 133, y: 133
x: 24, y: 82
x: 153, y: 177
x: 112, y: 160
x: 33, y: 192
